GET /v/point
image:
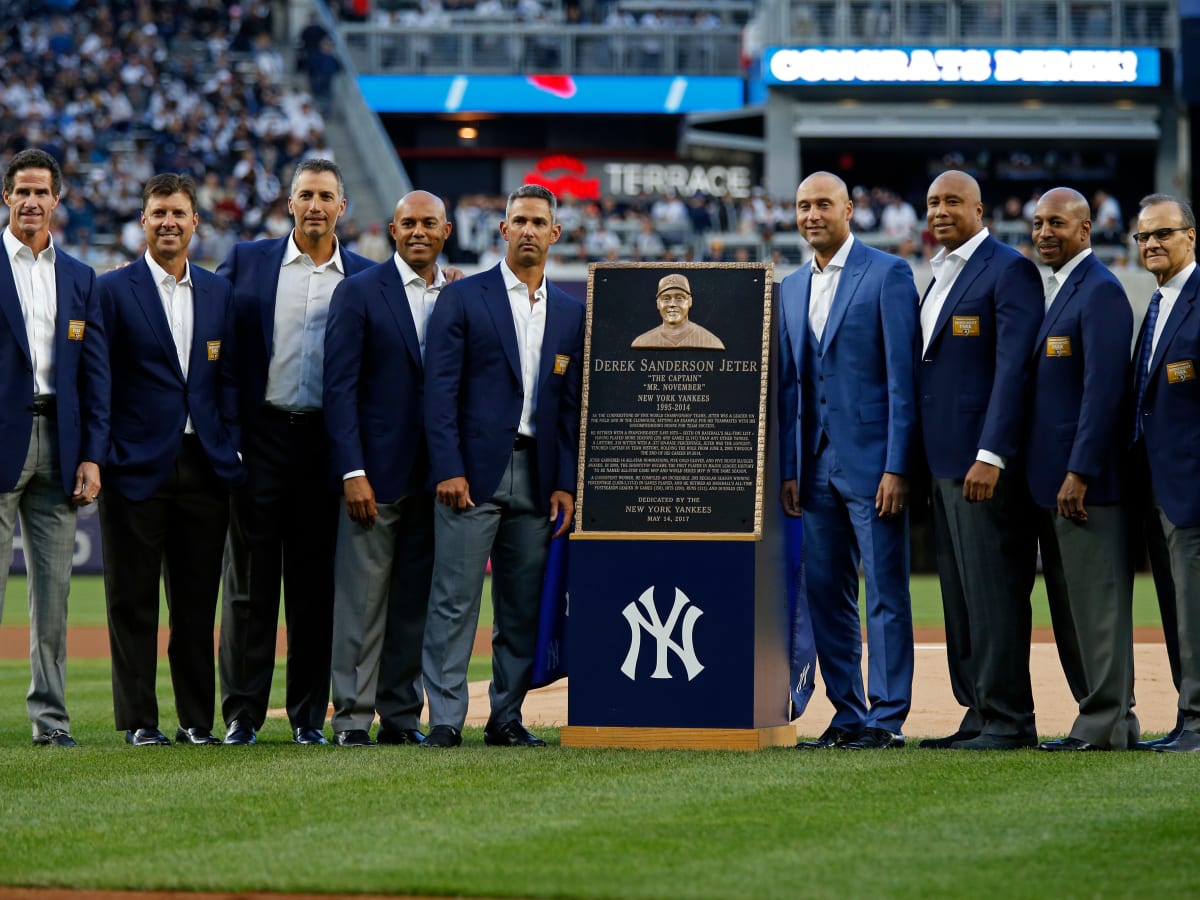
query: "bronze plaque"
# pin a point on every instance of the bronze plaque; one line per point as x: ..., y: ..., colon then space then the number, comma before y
x: 672, y: 442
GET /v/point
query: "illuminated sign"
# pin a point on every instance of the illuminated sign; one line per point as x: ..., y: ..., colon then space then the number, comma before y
x: 1139, y: 66
x: 573, y: 182
x: 587, y: 180
x: 556, y: 94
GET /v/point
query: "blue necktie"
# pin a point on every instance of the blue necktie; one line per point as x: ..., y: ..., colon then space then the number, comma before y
x: 1143, y: 363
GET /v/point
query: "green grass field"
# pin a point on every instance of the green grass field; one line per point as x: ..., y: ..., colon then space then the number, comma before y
x: 578, y: 823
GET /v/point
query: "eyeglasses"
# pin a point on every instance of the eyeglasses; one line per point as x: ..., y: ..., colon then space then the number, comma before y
x: 1160, y: 235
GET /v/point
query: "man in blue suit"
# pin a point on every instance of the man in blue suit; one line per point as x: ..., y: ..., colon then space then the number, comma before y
x: 53, y: 391
x: 502, y: 401
x: 979, y: 318
x: 848, y: 331
x: 1166, y: 394
x: 171, y: 464
x: 374, y: 391
x: 284, y: 519
x: 1073, y: 444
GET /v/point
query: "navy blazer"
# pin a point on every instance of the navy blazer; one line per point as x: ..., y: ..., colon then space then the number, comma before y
x: 1078, y: 420
x: 252, y: 267
x: 374, y: 384
x: 1171, y: 410
x: 474, y: 393
x: 151, y: 400
x: 81, y: 375
x: 973, y: 378
x: 858, y: 386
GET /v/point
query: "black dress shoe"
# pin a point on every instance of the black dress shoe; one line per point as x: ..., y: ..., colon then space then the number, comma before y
x: 1071, y: 744
x: 399, y: 736
x: 510, y: 734
x: 59, y: 737
x: 442, y: 736
x: 833, y: 736
x: 195, y: 736
x: 1187, y: 742
x: 308, y: 736
x: 875, y: 739
x: 354, y: 737
x: 996, y: 742
x: 240, y: 732
x: 146, y: 737
x: 1170, y: 737
x: 945, y: 743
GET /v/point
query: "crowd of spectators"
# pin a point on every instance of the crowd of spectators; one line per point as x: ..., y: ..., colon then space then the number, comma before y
x: 117, y: 90
x: 670, y: 228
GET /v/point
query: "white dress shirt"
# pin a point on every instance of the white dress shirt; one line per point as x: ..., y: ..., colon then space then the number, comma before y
x: 295, y: 373
x: 1059, y: 278
x: 176, y: 297
x: 37, y: 290
x: 947, y: 266
x: 529, y: 318
x: 1170, y: 293
x: 421, y: 296
x: 823, y: 287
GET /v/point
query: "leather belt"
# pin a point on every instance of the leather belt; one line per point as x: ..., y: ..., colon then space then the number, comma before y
x: 524, y: 442
x: 45, y: 405
x: 291, y: 416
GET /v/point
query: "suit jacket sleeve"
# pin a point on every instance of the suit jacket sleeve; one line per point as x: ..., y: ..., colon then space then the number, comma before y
x: 569, y: 412
x: 1019, y: 305
x: 1107, y: 327
x: 227, y: 385
x: 95, y: 379
x: 788, y: 393
x: 344, y: 331
x: 445, y: 344
x: 898, y: 308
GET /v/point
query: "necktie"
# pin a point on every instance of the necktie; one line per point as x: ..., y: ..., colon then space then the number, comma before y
x: 1141, y: 370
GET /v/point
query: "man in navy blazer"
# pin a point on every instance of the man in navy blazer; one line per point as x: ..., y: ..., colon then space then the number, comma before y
x: 53, y: 394
x: 1166, y: 396
x: 502, y: 402
x: 284, y: 519
x: 171, y: 463
x: 374, y: 392
x: 847, y: 413
x: 1074, y: 442
x: 979, y: 318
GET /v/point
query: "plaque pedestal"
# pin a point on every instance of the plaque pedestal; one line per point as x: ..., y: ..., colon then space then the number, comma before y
x: 678, y: 644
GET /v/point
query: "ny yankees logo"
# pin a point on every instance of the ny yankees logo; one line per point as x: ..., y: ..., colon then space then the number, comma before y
x: 661, y: 631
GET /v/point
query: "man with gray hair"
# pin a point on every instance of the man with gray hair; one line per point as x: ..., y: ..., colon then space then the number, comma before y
x: 284, y: 519
x: 503, y: 360
x: 53, y: 387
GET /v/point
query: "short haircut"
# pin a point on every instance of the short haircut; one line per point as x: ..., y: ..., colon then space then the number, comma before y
x: 316, y: 164
x: 537, y: 192
x: 1185, y: 209
x: 34, y: 159
x: 168, y: 183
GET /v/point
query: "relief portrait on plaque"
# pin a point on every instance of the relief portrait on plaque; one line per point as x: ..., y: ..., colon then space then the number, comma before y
x: 677, y: 331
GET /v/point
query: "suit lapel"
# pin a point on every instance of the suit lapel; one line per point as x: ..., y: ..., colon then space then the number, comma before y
x: 145, y: 293
x: 495, y: 301
x: 848, y: 283
x: 10, y: 304
x: 201, y: 331
x: 975, y: 265
x: 798, y: 327
x: 1180, y: 311
x: 395, y: 298
x: 270, y: 263
x: 1062, y: 300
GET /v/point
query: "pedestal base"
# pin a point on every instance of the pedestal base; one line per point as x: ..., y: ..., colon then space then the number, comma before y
x: 679, y: 738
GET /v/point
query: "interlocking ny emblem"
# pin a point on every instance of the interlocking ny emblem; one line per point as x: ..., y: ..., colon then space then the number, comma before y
x: 661, y: 631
